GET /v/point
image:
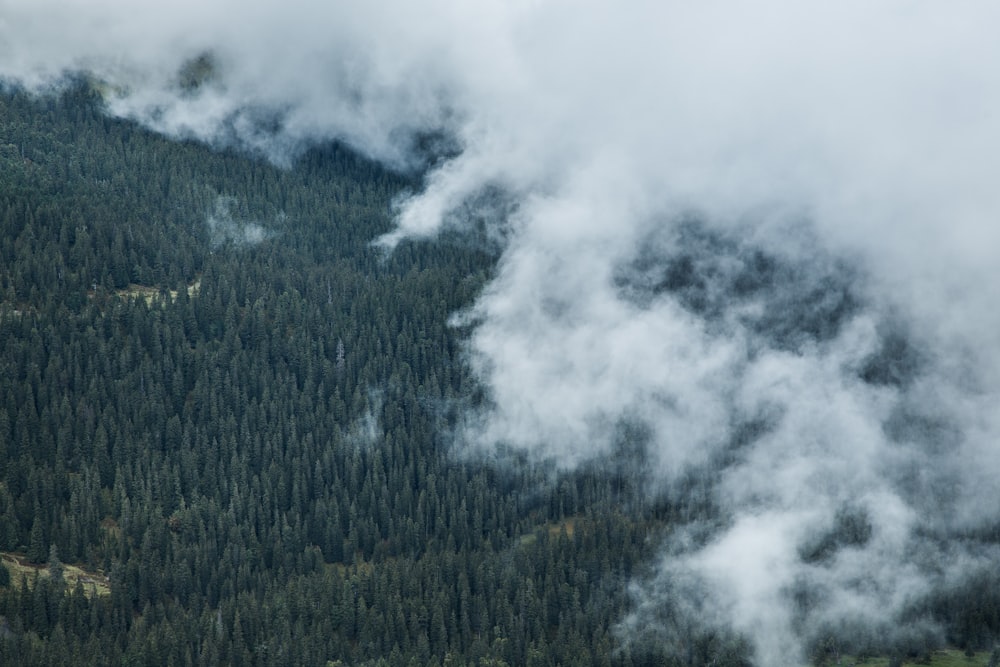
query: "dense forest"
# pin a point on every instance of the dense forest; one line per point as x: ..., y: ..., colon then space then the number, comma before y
x: 224, y: 419
x: 217, y: 393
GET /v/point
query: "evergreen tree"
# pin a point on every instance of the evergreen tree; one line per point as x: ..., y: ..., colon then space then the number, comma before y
x: 37, y: 548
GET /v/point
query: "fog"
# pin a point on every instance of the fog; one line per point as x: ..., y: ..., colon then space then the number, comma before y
x: 764, y: 232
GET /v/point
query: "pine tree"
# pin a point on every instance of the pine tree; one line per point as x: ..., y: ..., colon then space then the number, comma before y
x: 56, y: 570
x: 37, y: 548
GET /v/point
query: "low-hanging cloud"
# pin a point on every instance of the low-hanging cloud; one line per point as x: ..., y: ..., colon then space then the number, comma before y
x: 223, y: 229
x: 765, y: 232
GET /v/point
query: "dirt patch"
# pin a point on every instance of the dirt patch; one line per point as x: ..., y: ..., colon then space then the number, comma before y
x: 150, y: 294
x: 94, y: 583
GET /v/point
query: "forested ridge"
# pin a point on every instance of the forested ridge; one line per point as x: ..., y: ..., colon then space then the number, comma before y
x: 244, y: 436
x: 218, y: 394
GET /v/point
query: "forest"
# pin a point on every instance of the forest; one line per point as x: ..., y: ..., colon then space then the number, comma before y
x: 224, y: 431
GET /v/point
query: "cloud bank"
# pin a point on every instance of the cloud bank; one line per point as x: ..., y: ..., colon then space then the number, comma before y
x: 766, y: 233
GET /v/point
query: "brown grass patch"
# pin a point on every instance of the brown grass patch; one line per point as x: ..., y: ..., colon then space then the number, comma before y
x: 94, y: 583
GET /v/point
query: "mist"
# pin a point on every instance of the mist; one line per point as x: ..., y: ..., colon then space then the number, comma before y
x: 223, y: 229
x: 766, y: 233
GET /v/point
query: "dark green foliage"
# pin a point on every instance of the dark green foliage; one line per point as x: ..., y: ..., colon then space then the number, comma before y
x: 707, y: 271
x: 852, y: 528
x: 37, y: 550
x: 254, y: 462
x: 970, y: 610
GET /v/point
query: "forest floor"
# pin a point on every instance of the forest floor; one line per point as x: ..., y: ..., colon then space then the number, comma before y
x: 553, y: 528
x: 149, y: 293
x: 94, y: 583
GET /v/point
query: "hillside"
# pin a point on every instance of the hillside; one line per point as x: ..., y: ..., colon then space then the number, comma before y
x: 223, y: 405
x: 215, y: 391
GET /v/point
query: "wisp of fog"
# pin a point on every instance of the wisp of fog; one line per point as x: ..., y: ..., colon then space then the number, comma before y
x: 763, y: 233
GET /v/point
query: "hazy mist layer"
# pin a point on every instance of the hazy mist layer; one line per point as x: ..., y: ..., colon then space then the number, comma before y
x: 766, y: 233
